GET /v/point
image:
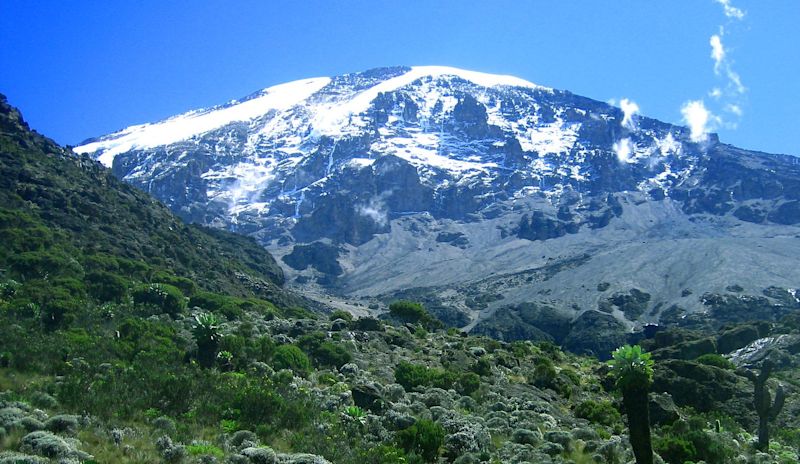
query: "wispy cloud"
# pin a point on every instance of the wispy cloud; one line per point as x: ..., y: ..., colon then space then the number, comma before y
x: 717, y: 52
x: 624, y: 149
x: 700, y: 119
x: 728, y: 96
x: 730, y: 10
x: 629, y: 110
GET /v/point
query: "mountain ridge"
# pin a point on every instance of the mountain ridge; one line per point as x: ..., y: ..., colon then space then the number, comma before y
x: 431, y: 180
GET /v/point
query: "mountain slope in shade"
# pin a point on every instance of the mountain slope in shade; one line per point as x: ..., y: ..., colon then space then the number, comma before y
x: 65, y: 214
x: 479, y: 194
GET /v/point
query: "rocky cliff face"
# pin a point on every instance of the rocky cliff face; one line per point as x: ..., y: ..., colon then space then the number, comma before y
x: 481, y: 193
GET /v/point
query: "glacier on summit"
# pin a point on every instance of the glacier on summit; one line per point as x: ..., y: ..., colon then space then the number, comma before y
x: 455, y: 127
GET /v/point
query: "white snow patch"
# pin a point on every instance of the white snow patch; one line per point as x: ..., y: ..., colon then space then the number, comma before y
x: 360, y: 163
x: 187, y: 125
x: 555, y: 138
x: 423, y: 150
x: 331, y: 118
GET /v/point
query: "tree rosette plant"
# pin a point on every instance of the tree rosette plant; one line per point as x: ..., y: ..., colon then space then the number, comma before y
x: 355, y: 414
x: 207, y: 335
x: 766, y: 406
x: 633, y: 369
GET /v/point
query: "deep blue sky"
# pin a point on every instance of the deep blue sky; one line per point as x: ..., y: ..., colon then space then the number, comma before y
x: 85, y: 68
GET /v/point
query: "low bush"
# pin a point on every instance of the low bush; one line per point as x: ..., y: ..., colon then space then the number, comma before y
x: 598, y: 412
x: 291, y: 357
x: 165, y: 298
x: 411, y: 376
x: 424, y: 439
x: 715, y: 360
x: 339, y: 314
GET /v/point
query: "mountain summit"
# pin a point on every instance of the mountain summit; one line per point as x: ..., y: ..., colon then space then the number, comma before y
x: 510, y: 208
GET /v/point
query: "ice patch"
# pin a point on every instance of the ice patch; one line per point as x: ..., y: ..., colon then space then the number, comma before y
x: 555, y: 138
x: 188, y: 125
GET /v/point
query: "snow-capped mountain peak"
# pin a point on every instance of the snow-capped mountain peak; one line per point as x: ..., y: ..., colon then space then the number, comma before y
x: 330, y: 114
x: 279, y: 152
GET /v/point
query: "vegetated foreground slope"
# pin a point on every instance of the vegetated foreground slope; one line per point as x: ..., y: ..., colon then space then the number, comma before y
x: 485, y: 196
x: 65, y: 216
x: 114, y: 354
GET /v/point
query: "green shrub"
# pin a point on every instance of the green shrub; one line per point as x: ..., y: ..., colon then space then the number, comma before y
x: 324, y: 352
x: 680, y: 444
x: 331, y: 354
x: 164, y: 297
x: 544, y: 373
x: 339, y: 314
x: 187, y: 286
x: 598, y: 412
x: 291, y: 357
x: 383, y: 454
x: 716, y: 360
x: 204, y: 449
x: 482, y: 367
x: 32, y: 264
x: 105, y: 286
x: 674, y: 450
x: 424, y: 438
x: 58, y: 312
x: 411, y: 376
x: 408, y: 311
x: 468, y: 383
x: 228, y: 306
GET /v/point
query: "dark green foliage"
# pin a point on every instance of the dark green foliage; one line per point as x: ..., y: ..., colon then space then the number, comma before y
x: 414, y: 313
x: 340, y: 314
x: 598, y: 412
x: 675, y: 450
x: 165, y: 298
x: 424, y: 438
x: 58, y: 312
x: 482, y: 367
x: 408, y: 311
x: 384, y: 454
x: 715, y: 360
x: 105, y: 286
x: 692, y: 442
x: 468, y: 383
x: 367, y: 324
x: 411, y: 376
x: 186, y: 286
x: 544, y: 374
x: 323, y: 351
x: 291, y: 357
x: 207, y: 335
x: 331, y: 354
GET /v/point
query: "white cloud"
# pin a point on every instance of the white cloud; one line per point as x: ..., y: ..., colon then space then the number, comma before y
x: 735, y: 81
x: 717, y: 52
x: 715, y: 93
x: 375, y: 210
x: 624, y: 150
x: 700, y: 120
x: 629, y: 109
x: 735, y: 109
x: 730, y: 10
